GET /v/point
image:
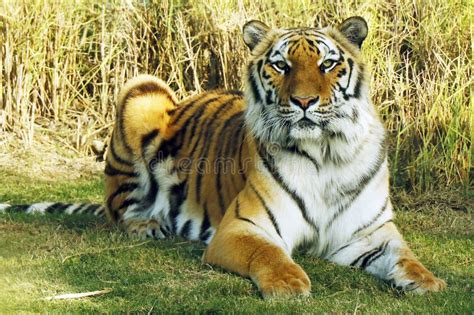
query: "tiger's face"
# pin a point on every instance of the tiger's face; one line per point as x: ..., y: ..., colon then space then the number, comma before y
x: 304, y: 83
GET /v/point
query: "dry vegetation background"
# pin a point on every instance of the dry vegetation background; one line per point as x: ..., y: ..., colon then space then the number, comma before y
x: 62, y: 64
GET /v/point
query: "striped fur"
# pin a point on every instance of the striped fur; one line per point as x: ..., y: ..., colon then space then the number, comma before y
x: 56, y: 208
x: 299, y: 160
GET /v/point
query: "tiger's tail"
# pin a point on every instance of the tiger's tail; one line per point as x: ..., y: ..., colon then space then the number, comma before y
x: 144, y: 106
x: 55, y: 208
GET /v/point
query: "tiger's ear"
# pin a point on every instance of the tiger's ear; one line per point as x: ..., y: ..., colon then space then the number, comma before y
x: 254, y: 31
x: 354, y: 29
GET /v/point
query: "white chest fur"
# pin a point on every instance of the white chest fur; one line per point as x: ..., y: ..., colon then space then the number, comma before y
x: 339, y: 195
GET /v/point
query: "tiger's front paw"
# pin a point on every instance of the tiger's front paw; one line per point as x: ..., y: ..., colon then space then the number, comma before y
x: 285, y: 281
x: 143, y: 229
x: 414, y: 277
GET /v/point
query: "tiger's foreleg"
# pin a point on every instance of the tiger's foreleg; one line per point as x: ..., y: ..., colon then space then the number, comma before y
x: 245, y: 244
x: 385, y: 254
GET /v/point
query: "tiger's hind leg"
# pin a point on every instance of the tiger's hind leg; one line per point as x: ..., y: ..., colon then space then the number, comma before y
x: 148, y: 213
x: 132, y: 188
x: 385, y: 254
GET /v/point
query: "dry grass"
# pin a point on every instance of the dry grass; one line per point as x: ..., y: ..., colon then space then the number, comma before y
x: 63, y: 62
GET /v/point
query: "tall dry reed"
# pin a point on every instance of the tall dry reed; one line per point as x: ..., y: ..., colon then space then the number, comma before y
x: 62, y: 64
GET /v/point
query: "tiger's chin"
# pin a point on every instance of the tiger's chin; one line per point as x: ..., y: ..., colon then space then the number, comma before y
x: 306, y: 132
x: 306, y: 129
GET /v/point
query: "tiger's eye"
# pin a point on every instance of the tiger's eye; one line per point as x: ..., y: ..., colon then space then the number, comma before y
x: 327, y: 63
x: 281, y: 66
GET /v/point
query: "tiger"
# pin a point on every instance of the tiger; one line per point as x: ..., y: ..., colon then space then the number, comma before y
x: 296, y: 161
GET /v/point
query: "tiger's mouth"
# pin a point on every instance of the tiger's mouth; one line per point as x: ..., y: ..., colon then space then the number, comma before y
x: 305, y: 122
x: 320, y: 121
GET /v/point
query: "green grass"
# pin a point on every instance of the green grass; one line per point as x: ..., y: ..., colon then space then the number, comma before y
x: 43, y: 256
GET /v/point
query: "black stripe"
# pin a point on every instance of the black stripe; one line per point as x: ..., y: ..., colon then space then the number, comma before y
x: 338, y: 135
x: 340, y: 249
x: 89, y: 209
x: 196, y: 121
x: 186, y: 229
x: 267, y: 209
x: 128, y: 202
x: 164, y: 231
x: 94, y: 208
x: 220, y: 145
x: 237, y: 213
x: 205, y: 151
x: 205, y: 237
x: 355, y: 115
x: 234, y: 92
x: 178, y: 194
x: 147, y: 139
x: 112, y: 171
x: 203, y: 234
x: 374, y: 256
x: 115, y: 155
x: 146, y: 87
x: 342, y: 72
x: 270, y: 165
x: 377, y: 216
x: 115, y: 216
x: 57, y: 208
x: 241, y: 170
x: 234, y: 138
x: 351, y: 68
x: 166, y: 149
x: 365, y: 254
x: 344, y: 89
x: 152, y: 194
x: 17, y: 208
x: 269, y: 97
x: 126, y: 187
x: 303, y: 153
x: 366, y: 178
x: 184, y: 108
x: 253, y: 87
x: 121, y: 127
x: 231, y: 149
x: 171, y: 111
x: 360, y: 78
x: 79, y: 207
x: 380, y: 226
x: 100, y: 211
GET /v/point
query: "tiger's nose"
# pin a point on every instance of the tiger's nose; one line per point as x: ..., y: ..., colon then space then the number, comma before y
x: 304, y: 101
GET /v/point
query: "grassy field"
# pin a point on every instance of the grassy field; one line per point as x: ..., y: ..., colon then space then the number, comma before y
x: 46, y: 256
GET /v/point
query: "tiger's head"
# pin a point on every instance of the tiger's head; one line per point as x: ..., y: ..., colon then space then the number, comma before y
x: 305, y: 84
